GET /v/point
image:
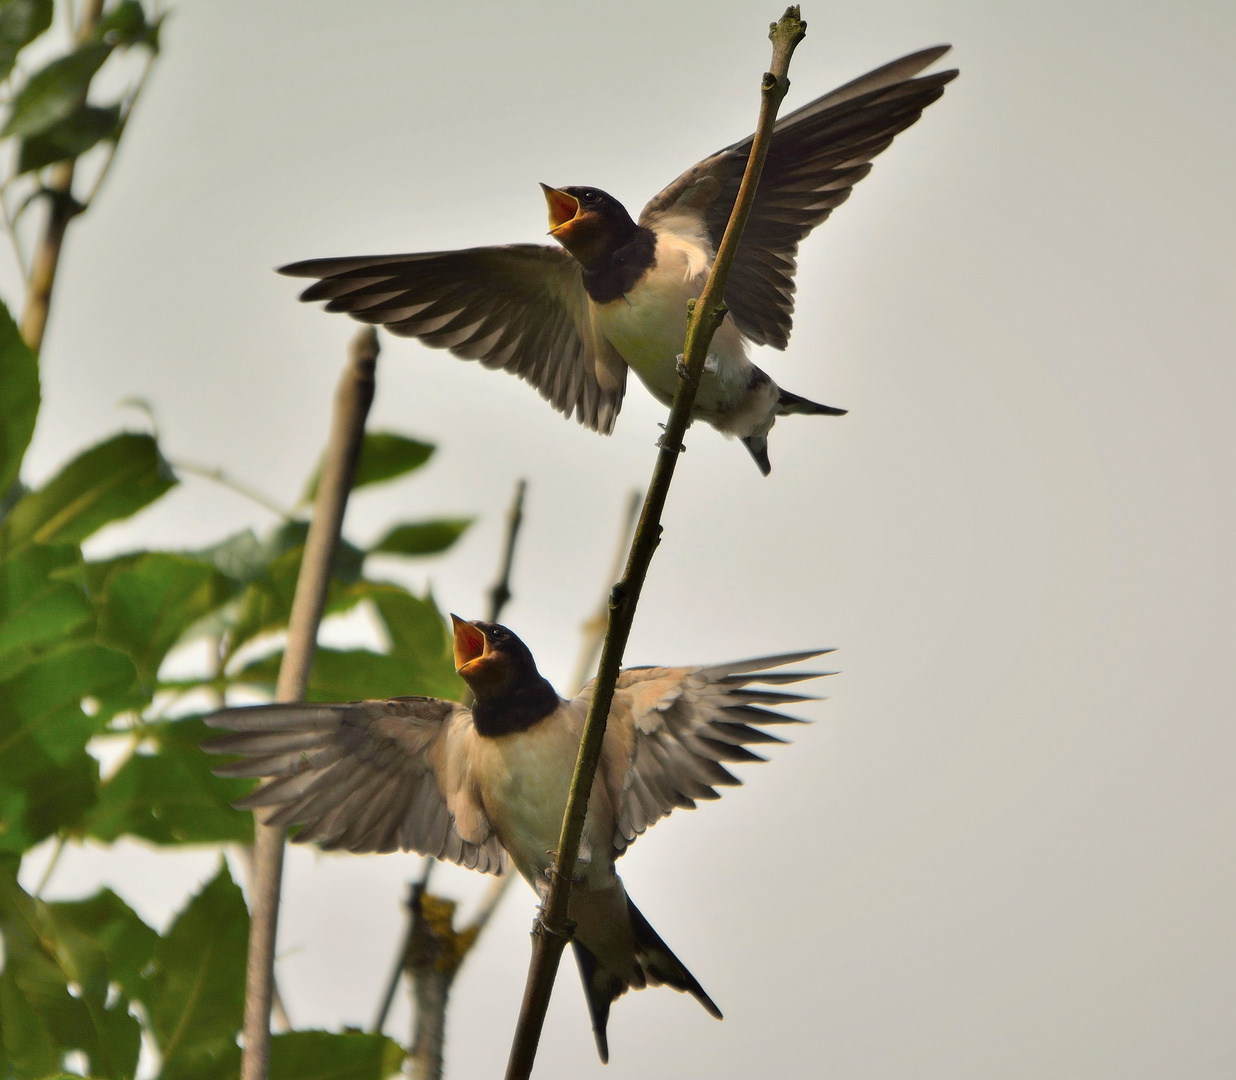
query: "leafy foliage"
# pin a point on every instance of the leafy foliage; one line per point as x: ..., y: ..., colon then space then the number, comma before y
x: 21, y: 21
x: 56, y: 994
x: 384, y: 456
x: 83, y: 647
x: 422, y: 537
x: 19, y: 389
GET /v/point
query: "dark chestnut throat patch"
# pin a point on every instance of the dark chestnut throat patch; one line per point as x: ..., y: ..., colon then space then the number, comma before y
x: 522, y: 703
x: 613, y: 274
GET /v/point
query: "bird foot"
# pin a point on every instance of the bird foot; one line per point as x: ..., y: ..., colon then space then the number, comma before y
x: 681, y: 367
x: 540, y: 926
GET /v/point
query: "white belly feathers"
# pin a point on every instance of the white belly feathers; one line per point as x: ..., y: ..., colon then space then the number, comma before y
x: 648, y: 327
x: 523, y: 780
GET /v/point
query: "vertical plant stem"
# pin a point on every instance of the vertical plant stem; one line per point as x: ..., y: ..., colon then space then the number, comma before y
x: 553, y: 928
x: 352, y: 400
x: 62, y: 210
x: 501, y: 591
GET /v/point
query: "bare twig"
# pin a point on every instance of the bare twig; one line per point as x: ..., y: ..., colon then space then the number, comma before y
x: 594, y: 626
x: 553, y: 928
x: 62, y: 209
x: 393, y: 982
x: 352, y: 400
x: 501, y: 591
x: 435, y: 952
x: 279, y: 1012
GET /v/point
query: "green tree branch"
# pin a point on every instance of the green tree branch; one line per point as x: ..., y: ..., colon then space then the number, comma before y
x: 552, y: 929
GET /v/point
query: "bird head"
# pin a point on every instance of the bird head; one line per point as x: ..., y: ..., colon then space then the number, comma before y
x: 489, y: 658
x: 586, y: 221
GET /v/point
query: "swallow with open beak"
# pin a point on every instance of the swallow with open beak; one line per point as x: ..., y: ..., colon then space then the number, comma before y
x: 489, y: 784
x: 572, y: 320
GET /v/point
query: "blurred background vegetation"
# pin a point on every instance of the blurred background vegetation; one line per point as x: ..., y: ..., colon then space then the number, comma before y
x: 87, y: 986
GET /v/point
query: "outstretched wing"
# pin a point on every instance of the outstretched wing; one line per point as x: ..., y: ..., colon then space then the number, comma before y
x: 366, y: 776
x: 670, y: 729
x: 521, y: 308
x: 818, y: 154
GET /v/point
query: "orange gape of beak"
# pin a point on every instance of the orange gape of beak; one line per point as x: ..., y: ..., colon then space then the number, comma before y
x: 562, y: 207
x: 469, y: 643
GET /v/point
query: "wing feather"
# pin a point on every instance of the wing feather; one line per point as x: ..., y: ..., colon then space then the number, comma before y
x: 365, y: 776
x: 818, y: 154
x: 521, y: 307
x: 670, y: 730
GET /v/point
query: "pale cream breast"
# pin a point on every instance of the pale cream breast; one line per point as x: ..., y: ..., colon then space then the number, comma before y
x: 523, y: 780
x: 648, y: 326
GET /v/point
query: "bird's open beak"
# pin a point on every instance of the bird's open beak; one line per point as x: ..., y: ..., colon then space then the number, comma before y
x: 562, y: 207
x: 470, y: 643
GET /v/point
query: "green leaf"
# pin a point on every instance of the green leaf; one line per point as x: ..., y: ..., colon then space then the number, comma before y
x: 21, y: 21
x: 197, y: 984
x: 47, y: 780
x: 44, y: 700
x: 39, y: 613
x: 51, y: 800
x: 126, y: 25
x: 40, y: 1018
x: 384, y: 455
x: 106, y: 483
x: 19, y: 391
x: 171, y: 796
x: 421, y: 537
x: 324, y: 1055
x: 147, y: 605
x: 126, y: 942
x: 69, y: 138
x: 419, y: 661
x: 266, y: 604
x: 55, y: 91
x: 242, y: 556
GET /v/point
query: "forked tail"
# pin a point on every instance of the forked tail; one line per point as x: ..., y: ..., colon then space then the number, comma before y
x: 655, y: 965
x: 787, y: 404
x: 791, y: 403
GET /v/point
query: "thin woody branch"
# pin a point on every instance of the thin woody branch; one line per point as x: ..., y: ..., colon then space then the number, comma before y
x: 352, y: 400
x: 553, y: 928
x: 63, y: 208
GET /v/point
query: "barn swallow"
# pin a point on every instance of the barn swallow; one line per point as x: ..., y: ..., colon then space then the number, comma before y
x: 488, y: 785
x: 572, y: 320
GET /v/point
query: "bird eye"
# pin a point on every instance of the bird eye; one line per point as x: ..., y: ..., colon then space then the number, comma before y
x: 591, y: 196
x: 497, y: 636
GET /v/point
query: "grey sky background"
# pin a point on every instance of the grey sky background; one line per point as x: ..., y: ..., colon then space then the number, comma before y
x: 1005, y: 845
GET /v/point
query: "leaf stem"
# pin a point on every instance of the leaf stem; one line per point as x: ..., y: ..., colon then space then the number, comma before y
x: 239, y: 486
x: 49, y: 869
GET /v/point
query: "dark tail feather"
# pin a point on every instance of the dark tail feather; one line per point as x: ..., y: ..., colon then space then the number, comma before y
x: 662, y: 966
x: 600, y: 990
x: 656, y: 965
x: 792, y: 403
x: 757, y: 445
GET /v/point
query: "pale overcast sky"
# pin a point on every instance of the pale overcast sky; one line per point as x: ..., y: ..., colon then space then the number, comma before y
x: 1005, y: 846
